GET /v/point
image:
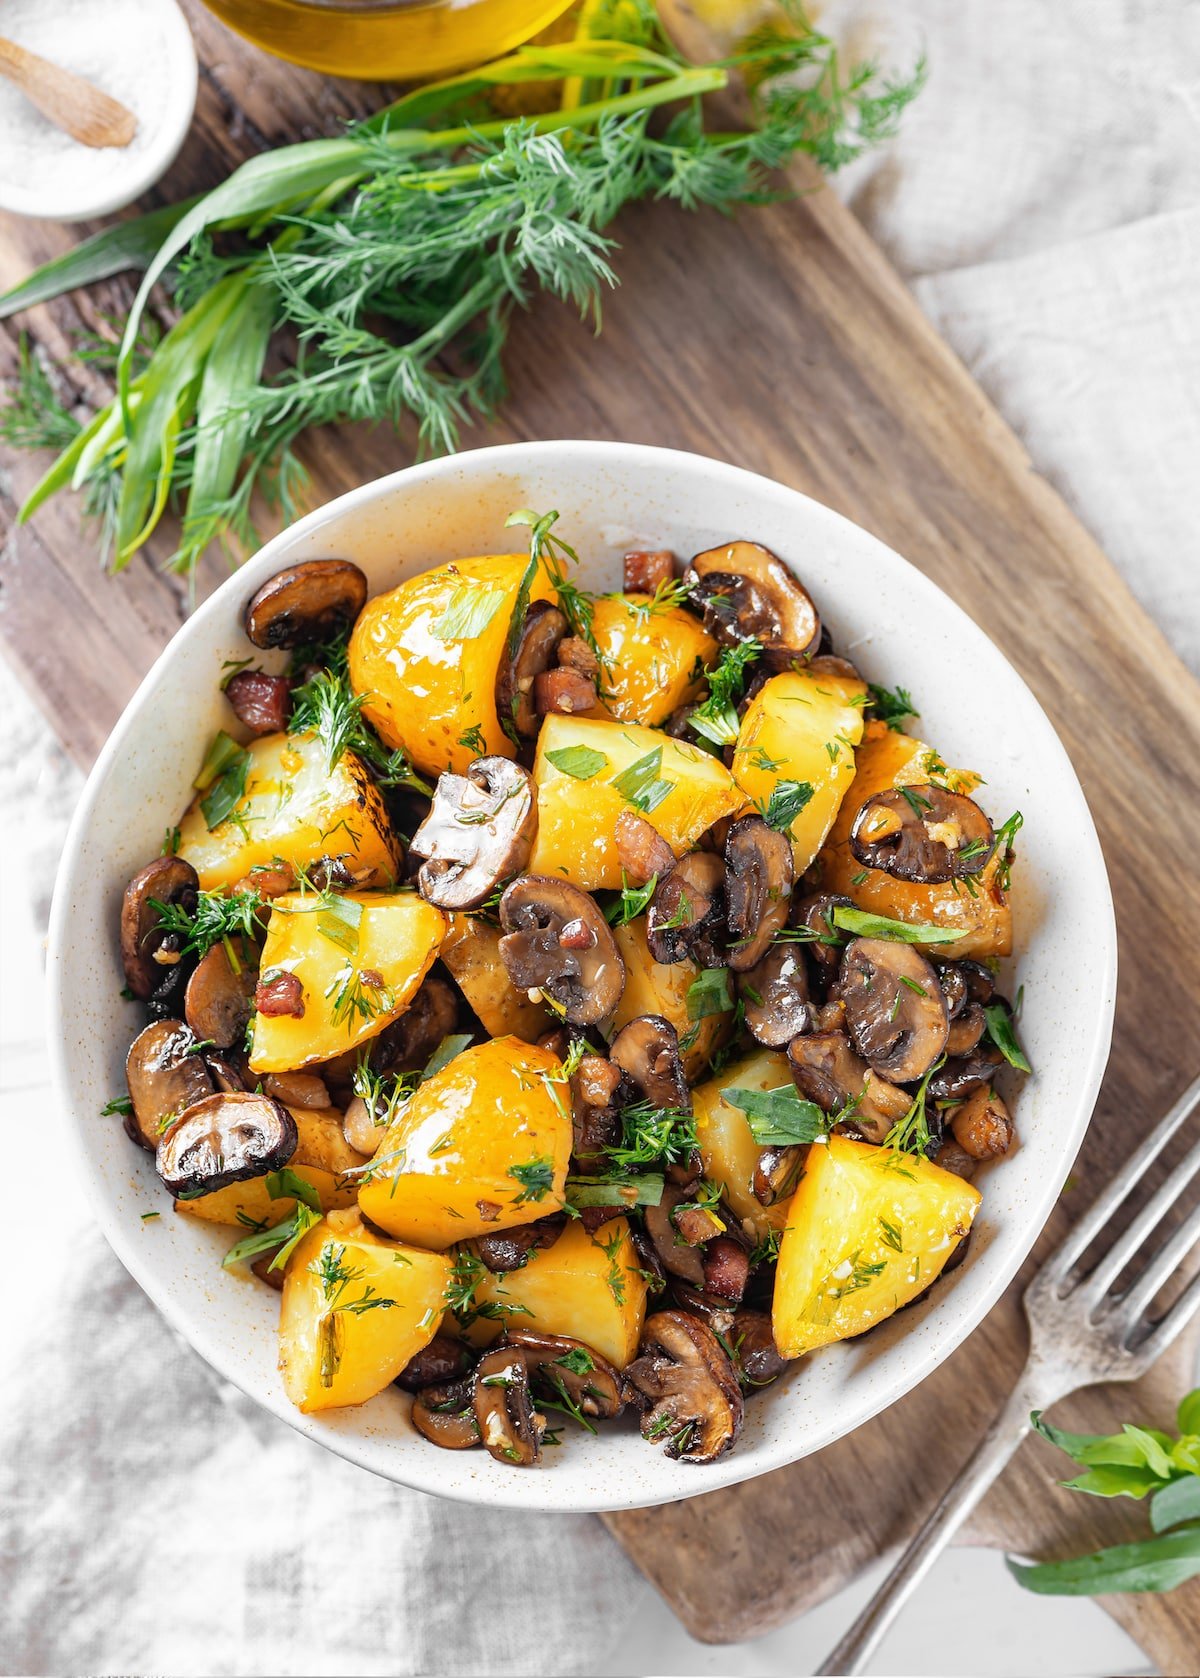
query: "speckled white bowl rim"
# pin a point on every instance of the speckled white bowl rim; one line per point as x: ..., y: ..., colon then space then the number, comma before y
x: 902, y: 630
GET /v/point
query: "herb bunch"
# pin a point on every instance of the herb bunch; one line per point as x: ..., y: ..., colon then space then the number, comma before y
x: 383, y: 268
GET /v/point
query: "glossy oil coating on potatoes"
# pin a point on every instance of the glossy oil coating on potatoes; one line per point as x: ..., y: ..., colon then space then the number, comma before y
x: 428, y: 654
x: 355, y: 1309
x: 649, y: 657
x: 483, y: 1145
x: 294, y: 809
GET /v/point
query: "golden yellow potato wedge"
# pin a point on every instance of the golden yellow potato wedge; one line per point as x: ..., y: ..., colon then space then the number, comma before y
x: 428, y: 653
x: 728, y: 1148
x: 355, y: 1309
x: 610, y: 767
x: 590, y: 1287
x: 980, y: 910
x: 868, y: 1229
x: 651, y: 657
x: 471, y: 952
x: 294, y: 808
x: 482, y: 1145
x: 654, y: 988
x: 360, y: 959
x: 801, y: 727
x: 322, y: 1158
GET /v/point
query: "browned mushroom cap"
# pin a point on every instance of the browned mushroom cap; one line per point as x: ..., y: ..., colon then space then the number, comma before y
x: 964, y: 982
x: 509, y: 1249
x: 445, y: 1415
x: 826, y: 1069
x: 777, y: 1173
x: 219, y: 1000
x: 982, y: 1125
x: 966, y: 1073
x: 557, y: 941
x: 923, y: 834
x: 759, y: 875
x: 754, y: 1348
x: 297, y: 1089
x: 306, y: 602
x: 746, y: 591
x: 641, y: 849
x: 536, y: 651
x: 166, y: 1074
x: 825, y: 943
x: 647, y: 1051
x: 775, y: 996
x: 894, y: 1006
x: 570, y: 1368
x: 445, y: 1359
x: 687, y: 912
x: 966, y: 1031
x: 408, y: 1042
x: 507, y: 1421
x: 225, y: 1139
x: 168, y: 879
x: 478, y: 833
x: 685, y: 1387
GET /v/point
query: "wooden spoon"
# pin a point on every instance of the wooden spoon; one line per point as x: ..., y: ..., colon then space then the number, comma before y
x: 84, y: 111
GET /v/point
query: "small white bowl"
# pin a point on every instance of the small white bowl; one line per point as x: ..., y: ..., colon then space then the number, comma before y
x: 882, y: 613
x: 107, y: 179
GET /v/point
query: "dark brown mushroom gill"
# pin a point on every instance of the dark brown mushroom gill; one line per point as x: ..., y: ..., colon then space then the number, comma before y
x: 146, y: 950
x: 775, y: 996
x: 536, y: 651
x: 745, y: 592
x: 647, y: 1052
x: 508, y: 1424
x: 895, y: 1009
x: 478, y: 833
x: 685, y: 1387
x: 557, y: 941
x: 825, y: 1069
x: 445, y: 1414
x: 219, y: 1001
x: 686, y: 919
x: 166, y: 1074
x: 570, y: 1369
x: 223, y: 1139
x: 759, y: 875
x: 922, y: 834
x: 307, y: 602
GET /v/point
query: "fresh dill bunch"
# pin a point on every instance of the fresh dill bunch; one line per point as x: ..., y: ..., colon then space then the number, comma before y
x: 717, y: 719
x: 217, y: 918
x: 325, y: 706
x: 653, y: 1135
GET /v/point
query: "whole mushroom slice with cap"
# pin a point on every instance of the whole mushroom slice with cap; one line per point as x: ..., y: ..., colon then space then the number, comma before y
x: 686, y: 918
x: 685, y: 1387
x: 825, y: 1069
x: 219, y: 1001
x: 146, y: 949
x: 445, y: 1415
x: 774, y: 996
x: 747, y: 592
x: 536, y: 651
x: 571, y: 1369
x: 223, y: 1139
x: 556, y: 941
x: 509, y: 1426
x: 647, y: 1052
x: 166, y: 1074
x: 308, y: 602
x: 445, y: 1359
x: 923, y: 834
x: 478, y: 833
x: 895, y: 1009
x: 509, y: 1249
x: 759, y: 875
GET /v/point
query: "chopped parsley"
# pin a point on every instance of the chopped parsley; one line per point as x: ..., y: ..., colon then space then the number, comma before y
x: 640, y: 785
x: 469, y: 609
x: 581, y: 762
x: 865, y: 925
x: 709, y: 993
x: 779, y: 1117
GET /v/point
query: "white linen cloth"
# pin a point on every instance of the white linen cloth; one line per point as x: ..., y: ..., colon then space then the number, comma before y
x: 1044, y: 197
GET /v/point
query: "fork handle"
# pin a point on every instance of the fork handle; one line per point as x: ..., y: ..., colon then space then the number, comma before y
x: 1032, y: 1392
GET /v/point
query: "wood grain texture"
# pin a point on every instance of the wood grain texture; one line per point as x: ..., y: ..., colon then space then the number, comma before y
x: 785, y: 343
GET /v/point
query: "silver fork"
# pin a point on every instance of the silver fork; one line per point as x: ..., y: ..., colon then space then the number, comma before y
x: 1080, y: 1333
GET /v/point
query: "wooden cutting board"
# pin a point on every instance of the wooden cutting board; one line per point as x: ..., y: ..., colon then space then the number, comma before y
x: 786, y: 343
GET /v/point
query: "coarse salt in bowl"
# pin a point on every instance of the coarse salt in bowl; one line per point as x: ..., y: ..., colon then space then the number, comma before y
x: 138, y: 51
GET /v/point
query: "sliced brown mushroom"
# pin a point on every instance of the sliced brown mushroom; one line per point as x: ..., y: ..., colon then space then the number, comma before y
x: 676, y: 1254
x: 966, y: 1031
x: 225, y: 1139
x: 557, y: 941
x: 759, y: 875
x: 895, y: 1010
x: 219, y: 1001
x: 166, y: 1074
x: 774, y: 996
x: 755, y: 1350
x: 966, y: 1073
x: 536, y: 651
x: 408, y: 1042
x: 747, y: 592
x: 311, y: 601
x: 685, y: 1387
x: 509, y: 1249
x: 982, y: 1126
x: 478, y: 833
x: 825, y: 942
x: 445, y: 1415
x: 647, y: 1051
x: 571, y: 1369
x: 260, y: 702
x: 923, y: 834
x: 642, y: 851
x: 445, y: 1359
x: 687, y: 912
x: 145, y: 948
x: 777, y: 1173
x: 826, y: 1070
x: 508, y: 1424
x: 229, y: 1071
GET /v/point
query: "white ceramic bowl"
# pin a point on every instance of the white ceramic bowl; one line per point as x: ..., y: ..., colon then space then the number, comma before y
x: 882, y: 613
